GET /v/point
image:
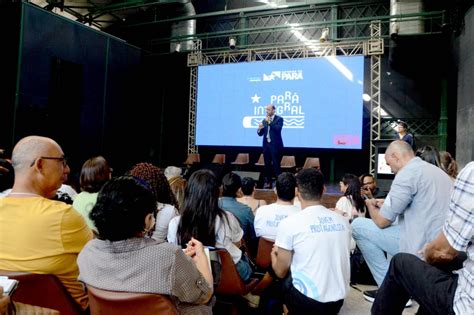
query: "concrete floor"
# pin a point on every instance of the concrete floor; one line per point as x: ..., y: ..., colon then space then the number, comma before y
x: 355, y: 304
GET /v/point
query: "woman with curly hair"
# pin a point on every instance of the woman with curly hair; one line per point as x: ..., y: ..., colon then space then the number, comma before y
x: 167, y: 205
x: 124, y: 259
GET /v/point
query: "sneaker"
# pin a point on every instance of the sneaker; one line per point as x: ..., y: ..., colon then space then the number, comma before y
x: 370, y: 295
x: 252, y: 300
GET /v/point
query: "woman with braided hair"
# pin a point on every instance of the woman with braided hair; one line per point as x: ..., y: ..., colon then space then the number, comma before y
x: 167, y: 205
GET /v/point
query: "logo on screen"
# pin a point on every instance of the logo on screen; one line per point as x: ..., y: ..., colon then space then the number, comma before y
x: 287, y: 105
x: 284, y: 75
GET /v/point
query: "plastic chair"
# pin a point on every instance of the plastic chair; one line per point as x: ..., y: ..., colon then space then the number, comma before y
x: 43, y: 290
x: 230, y: 281
x: 261, y: 161
x: 263, y: 262
x: 219, y: 159
x: 128, y: 303
x: 193, y: 158
x: 288, y: 162
x: 312, y: 162
x: 230, y: 287
x: 241, y: 159
x: 263, y: 259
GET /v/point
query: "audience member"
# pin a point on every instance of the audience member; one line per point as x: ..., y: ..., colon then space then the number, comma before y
x: 314, y: 245
x: 269, y: 217
x: 172, y: 171
x: 248, y: 192
x: 4, y: 302
x: 7, y: 176
x: 68, y: 190
x: 95, y: 173
x: 430, y: 154
x: 178, y: 185
x: 351, y: 205
x: 167, y: 205
x: 418, y: 197
x: 369, y: 187
x: 124, y: 259
x: 402, y: 130
x: 202, y: 219
x: 231, y: 184
x: 449, y: 164
x: 52, y: 233
x: 431, y: 283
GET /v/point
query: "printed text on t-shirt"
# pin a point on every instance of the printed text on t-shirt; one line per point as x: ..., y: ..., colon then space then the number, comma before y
x: 326, y: 224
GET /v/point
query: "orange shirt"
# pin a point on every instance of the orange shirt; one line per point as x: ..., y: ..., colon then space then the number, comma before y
x: 43, y: 236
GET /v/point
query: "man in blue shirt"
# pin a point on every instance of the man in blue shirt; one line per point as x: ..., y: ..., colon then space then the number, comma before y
x: 411, y: 215
x: 438, y: 291
x: 402, y: 130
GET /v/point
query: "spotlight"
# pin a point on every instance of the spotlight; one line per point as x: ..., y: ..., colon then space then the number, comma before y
x: 232, y: 42
x: 324, y: 35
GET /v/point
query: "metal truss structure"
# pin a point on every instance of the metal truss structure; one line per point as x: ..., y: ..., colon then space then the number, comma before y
x: 194, y: 58
x: 276, y: 29
x: 377, y: 47
x: 373, y: 47
x: 418, y: 126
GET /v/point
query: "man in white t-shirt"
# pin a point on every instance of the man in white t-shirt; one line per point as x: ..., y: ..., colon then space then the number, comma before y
x: 269, y: 217
x: 314, y: 244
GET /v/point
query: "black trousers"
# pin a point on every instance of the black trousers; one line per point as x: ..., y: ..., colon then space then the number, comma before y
x: 272, y: 156
x: 298, y: 303
x: 408, y: 276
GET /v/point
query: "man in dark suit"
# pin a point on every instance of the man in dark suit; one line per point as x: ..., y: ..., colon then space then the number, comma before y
x: 270, y: 129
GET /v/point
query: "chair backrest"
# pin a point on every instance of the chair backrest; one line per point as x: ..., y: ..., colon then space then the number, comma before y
x: 312, y: 162
x: 219, y: 159
x: 43, y: 290
x: 193, y: 158
x: 128, y: 303
x: 288, y: 161
x: 242, y: 158
x: 261, y: 160
x: 263, y: 259
x: 230, y: 281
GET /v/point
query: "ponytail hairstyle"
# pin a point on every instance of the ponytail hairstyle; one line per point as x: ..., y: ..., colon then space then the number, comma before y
x: 353, y: 191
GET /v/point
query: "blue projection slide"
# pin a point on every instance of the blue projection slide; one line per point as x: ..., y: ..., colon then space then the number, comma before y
x: 320, y: 100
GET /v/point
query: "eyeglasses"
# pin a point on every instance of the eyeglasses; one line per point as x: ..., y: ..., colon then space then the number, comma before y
x: 62, y: 159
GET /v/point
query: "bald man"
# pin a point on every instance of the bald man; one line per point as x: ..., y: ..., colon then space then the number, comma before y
x: 272, y: 144
x: 418, y: 199
x: 37, y: 234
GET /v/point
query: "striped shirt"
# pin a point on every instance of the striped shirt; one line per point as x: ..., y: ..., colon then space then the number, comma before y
x: 459, y: 231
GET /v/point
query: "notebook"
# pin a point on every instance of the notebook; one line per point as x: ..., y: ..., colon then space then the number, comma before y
x: 9, y: 285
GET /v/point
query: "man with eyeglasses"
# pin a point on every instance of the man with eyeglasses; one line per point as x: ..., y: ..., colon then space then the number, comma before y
x: 369, y: 187
x: 40, y: 235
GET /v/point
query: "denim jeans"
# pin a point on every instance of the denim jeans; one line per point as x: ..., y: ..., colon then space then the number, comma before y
x: 244, y: 269
x: 374, y: 242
